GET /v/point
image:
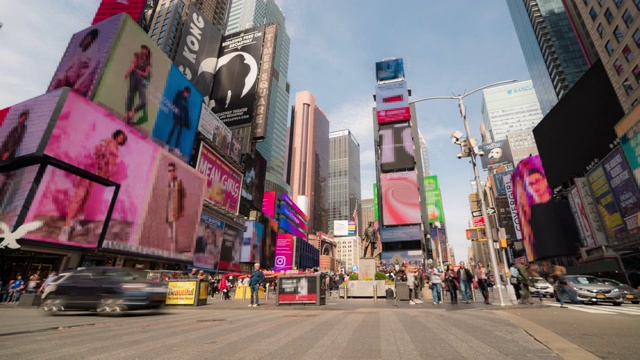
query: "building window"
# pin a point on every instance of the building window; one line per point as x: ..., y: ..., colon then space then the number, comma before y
x: 636, y: 72
x: 635, y: 103
x: 609, y: 47
x: 637, y: 2
x: 628, y: 88
x: 618, y: 34
x: 618, y: 66
x: 608, y: 15
x: 636, y: 37
x: 600, y: 30
x: 586, y: 2
x: 626, y: 51
x: 627, y: 18
x: 593, y: 13
x: 160, y: 40
x: 171, y: 42
x: 601, y: 2
x: 164, y: 27
x: 618, y: 3
x: 153, y: 37
x: 173, y: 35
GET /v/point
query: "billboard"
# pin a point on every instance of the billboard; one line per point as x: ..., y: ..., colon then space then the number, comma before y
x: 400, y: 198
x: 109, y: 8
x: 496, y: 154
x: 264, y: 84
x: 607, y: 206
x: 391, y: 69
x: 351, y: 225
x: 223, y: 181
x: 254, y: 178
x: 513, y: 209
x: 252, y: 242
x: 235, y: 150
x: 392, y: 102
x: 401, y: 233
x: 625, y: 191
x: 396, y: 147
x: 112, y: 150
x: 375, y: 202
x: 284, y: 252
x: 408, y: 257
x: 500, y: 183
x: 234, y: 84
x: 14, y: 189
x: 588, y: 210
x: 269, y: 204
x: 179, y: 114
x: 298, y: 290
x: 433, y: 198
x: 85, y: 57
x: 289, y: 227
x: 206, y: 253
x: 197, y: 53
x: 340, y: 227
x: 628, y: 130
x: 215, y: 130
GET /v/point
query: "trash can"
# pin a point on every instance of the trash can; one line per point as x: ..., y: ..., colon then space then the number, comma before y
x: 402, y: 291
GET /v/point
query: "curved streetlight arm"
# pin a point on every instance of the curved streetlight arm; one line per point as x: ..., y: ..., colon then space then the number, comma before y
x: 434, y: 98
x: 486, y: 86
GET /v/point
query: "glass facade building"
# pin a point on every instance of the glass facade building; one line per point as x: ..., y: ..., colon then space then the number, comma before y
x: 344, y: 178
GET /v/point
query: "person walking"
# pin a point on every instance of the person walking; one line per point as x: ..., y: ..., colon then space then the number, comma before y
x: 464, y: 279
x: 224, y: 288
x: 435, y: 283
x: 451, y: 282
x: 513, y: 279
x: 257, y: 278
x: 524, y: 284
x: 562, y: 286
x: 483, y: 282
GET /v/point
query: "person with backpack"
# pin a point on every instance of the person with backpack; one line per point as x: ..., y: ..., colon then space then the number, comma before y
x: 513, y: 279
x: 257, y: 278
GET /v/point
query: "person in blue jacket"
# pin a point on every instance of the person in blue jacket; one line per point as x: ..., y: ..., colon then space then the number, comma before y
x: 257, y: 278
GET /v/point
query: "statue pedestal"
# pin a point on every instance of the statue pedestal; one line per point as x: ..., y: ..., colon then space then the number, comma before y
x: 367, y: 269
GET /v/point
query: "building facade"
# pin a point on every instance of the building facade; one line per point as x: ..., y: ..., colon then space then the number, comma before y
x: 426, y: 169
x: 349, y: 251
x: 522, y: 144
x: 368, y: 214
x: 344, y: 178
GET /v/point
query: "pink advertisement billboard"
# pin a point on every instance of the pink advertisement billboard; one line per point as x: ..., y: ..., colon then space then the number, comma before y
x: 224, y: 182
x: 392, y: 102
x: 284, y: 252
x: 269, y: 204
x: 400, y: 198
x: 108, y: 8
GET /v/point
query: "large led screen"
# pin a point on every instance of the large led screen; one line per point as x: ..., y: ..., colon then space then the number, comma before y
x: 496, y: 154
x: 404, y: 257
x: 234, y: 84
x: 73, y: 209
x: 607, y: 206
x: 396, y: 147
x: 215, y: 130
x: 206, y: 254
x: 109, y: 149
x: 391, y: 69
x: 400, y: 198
x: 284, y: 252
x: 628, y: 131
x: 254, y: 177
x: 392, y: 102
x: 223, y: 181
x: 401, y: 233
x: 433, y: 198
x: 230, y: 254
x: 85, y: 57
x: 269, y: 204
x: 252, y: 242
x: 109, y: 8
x: 15, y: 186
x: 625, y: 191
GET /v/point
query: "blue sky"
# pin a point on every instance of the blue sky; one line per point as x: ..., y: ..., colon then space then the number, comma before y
x: 447, y: 46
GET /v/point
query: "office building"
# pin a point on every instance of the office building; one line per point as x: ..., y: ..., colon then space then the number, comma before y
x: 509, y: 108
x: 245, y: 14
x: 308, y: 170
x: 344, y: 178
x: 522, y: 144
x: 368, y: 214
x: 426, y: 170
x: 552, y: 51
x: 349, y: 251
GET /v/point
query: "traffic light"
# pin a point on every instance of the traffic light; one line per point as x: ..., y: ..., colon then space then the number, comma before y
x: 477, y: 233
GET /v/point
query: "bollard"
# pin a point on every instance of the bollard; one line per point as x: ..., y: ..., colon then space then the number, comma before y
x: 244, y: 293
x: 375, y: 292
x: 266, y: 293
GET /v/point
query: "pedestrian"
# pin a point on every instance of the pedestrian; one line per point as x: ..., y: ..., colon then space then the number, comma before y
x: 257, y: 278
x: 419, y: 283
x: 465, y: 277
x: 435, y: 283
x: 481, y: 279
x: 524, y: 281
x: 562, y: 286
x: 513, y: 279
x: 411, y: 283
x: 194, y: 274
x: 451, y: 282
x: 50, y: 278
x: 201, y: 275
x: 224, y: 288
x: 533, y: 272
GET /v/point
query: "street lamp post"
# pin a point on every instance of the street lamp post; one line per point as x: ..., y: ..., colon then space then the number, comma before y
x: 473, y: 152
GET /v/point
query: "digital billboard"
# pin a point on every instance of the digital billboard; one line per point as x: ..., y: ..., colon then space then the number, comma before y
x: 408, y: 257
x: 391, y: 69
x: 173, y: 209
x: 197, y: 53
x: 73, y: 209
x: 628, y: 130
x: 284, y: 252
x: 235, y: 150
x: 401, y: 233
x: 288, y: 226
x: 215, y: 130
x: 254, y: 177
x: 376, y: 215
x: 269, y: 204
x: 179, y: 114
x: 396, y: 147
x: 14, y: 188
x: 607, y: 206
x: 234, y: 84
x: 499, y: 181
x: 400, y: 198
x: 223, y: 181
x: 351, y: 225
x: 109, y: 149
x: 588, y: 210
x: 298, y: 290
x: 392, y: 102
x: 206, y: 254
x: 433, y: 198
x: 264, y: 84
x: 85, y: 57
x: 340, y: 227
x: 230, y: 255
x: 133, y: 81
x: 108, y: 8
x: 624, y: 190
x: 252, y: 242
x: 496, y: 154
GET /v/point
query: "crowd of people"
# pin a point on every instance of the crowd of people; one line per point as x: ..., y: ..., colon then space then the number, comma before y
x: 11, y: 292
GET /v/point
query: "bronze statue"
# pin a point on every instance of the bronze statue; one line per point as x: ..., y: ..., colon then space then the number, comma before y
x: 371, y: 239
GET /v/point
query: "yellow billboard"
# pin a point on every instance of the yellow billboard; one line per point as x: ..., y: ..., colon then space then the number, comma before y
x: 181, y: 292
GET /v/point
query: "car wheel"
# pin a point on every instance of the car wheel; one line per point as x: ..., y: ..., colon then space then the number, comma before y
x: 617, y: 304
x: 111, y: 306
x: 53, y: 305
x: 635, y: 302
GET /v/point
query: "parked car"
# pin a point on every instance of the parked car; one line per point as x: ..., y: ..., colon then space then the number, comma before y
x: 105, y: 290
x: 540, y: 286
x: 52, y: 286
x: 590, y: 289
x: 629, y: 293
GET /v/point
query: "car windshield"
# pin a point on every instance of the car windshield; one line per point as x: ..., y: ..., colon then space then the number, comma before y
x: 613, y: 282
x: 585, y: 280
x: 539, y: 281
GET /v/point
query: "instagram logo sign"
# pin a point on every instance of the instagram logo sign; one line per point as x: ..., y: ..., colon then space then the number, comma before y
x: 284, y: 252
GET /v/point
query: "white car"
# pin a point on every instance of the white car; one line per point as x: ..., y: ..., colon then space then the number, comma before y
x: 540, y: 286
x: 52, y: 286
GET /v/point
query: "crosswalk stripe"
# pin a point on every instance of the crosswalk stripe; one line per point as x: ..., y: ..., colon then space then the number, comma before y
x: 583, y: 309
x: 600, y: 310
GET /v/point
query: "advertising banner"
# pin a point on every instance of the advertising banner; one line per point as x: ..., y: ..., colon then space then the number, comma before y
x: 499, y: 181
x: 251, y: 242
x: 292, y: 205
x: 197, y: 53
x: 269, y: 244
x: 234, y: 84
x: 582, y: 221
x: 108, y: 8
x: 284, y: 252
x: 607, y: 206
x: 223, y: 181
x: 628, y: 130
x: 496, y: 154
x: 392, y: 102
x: 134, y: 79
x: 513, y: 209
x: 73, y: 209
x: 206, y: 254
x: 396, y: 147
x: 83, y: 61
x: 14, y: 188
x: 387, y: 70
x: 179, y: 114
x: 590, y: 211
x: 408, y: 257
x: 181, y: 292
x: 433, y: 198
x: 286, y: 211
x: 269, y: 204
x: 215, y: 130
x: 351, y: 225
x: 288, y: 226
x: 340, y: 227
x: 625, y: 191
x: 112, y: 150
x: 235, y: 150
x: 230, y: 257
x: 400, y: 198
x: 401, y: 233
x: 264, y: 84
x: 298, y: 290
x: 375, y: 202
x: 254, y: 177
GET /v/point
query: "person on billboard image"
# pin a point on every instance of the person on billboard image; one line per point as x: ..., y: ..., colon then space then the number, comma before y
x: 79, y: 75
x: 175, y: 204
x: 138, y: 74
x: 240, y: 68
x: 180, y: 115
x: 106, y: 156
x: 9, y: 149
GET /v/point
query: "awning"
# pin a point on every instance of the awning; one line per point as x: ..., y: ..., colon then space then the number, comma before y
x: 609, y: 265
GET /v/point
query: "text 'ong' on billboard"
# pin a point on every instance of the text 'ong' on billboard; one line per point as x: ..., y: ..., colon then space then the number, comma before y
x: 396, y: 147
x: 109, y: 8
x: 496, y: 154
x: 197, y: 53
x: 400, y: 198
x: 234, y: 85
x: 208, y: 248
x: 391, y: 69
x: 223, y: 182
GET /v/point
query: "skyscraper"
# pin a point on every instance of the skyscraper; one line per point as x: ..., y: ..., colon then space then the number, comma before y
x: 551, y: 49
x: 426, y: 170
x: 344, y: 178
x: 308, y: 170
x: 244, y: 14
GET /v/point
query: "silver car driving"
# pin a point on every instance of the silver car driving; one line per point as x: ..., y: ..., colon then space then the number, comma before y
x: 590, y: 289
x: 539, y: 286
x: 628, y: 293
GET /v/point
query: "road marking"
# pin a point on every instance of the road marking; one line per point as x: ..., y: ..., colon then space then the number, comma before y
x: 599, y: 310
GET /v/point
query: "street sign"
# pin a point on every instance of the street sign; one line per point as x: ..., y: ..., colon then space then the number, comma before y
x: 476, y: 213
x: 491, y: 211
